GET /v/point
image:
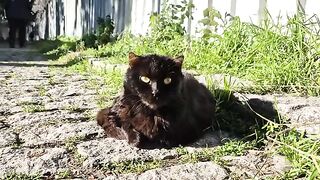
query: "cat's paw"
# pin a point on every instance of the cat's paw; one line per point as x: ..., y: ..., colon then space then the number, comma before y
x: 133, y: 138
x: 161, y: 122
x: 102, y: 116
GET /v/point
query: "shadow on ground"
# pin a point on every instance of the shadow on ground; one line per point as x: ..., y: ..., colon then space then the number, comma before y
x: 237, y: 118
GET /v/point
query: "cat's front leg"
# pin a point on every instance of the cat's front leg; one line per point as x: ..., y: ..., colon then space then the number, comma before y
x: 110, y: 122
x: 132, y: 135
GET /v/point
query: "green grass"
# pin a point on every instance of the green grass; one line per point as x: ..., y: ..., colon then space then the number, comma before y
x: 135, y: 166
x: 276, y: 58
x: 56, y: 47
x: 64, y: 174
x: 302, y: 152
x: 184, y: 156
x: 230, y: 148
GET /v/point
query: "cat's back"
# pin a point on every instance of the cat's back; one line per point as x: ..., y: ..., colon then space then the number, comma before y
x: 193, y: 89
x: 199, y: 100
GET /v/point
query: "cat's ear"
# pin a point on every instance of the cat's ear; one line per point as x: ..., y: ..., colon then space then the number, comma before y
x: 179, y: 60
x: 132, y: 58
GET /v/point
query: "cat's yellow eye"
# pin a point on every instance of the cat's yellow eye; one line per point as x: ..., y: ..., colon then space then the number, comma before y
x: 144, y: 79
x: 167, y: 80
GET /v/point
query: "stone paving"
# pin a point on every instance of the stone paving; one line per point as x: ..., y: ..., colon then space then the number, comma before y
x: 48, y: 128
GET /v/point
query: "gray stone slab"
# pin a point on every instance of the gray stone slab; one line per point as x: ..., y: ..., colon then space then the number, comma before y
x: 201, y: 170
x: 32, y: 161
x: 99, y: 152
x: 59, y: 133
x: 256, y: 164
x: 303, y: 112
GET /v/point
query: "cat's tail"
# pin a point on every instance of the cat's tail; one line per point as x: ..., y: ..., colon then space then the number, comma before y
x: 244, y: 117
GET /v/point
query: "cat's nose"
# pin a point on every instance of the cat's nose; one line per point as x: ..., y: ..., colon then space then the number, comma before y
x: 154, y: 88
x: 155, y: 92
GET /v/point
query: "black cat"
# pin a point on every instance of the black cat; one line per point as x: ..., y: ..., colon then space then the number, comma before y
x: 160, y: 106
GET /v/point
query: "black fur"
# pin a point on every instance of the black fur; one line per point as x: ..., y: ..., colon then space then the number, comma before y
x: 153, y: 113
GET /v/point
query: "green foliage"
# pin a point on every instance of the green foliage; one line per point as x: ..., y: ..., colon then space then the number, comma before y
x: 64, y: 174
x: 302, y: 152
x: 57, y: 47
x: 90, y: 40
x: 212, y: 21
x: 32, y: 108
x: 104, y: 33
x: 169, y: 23
x: 105, y: 29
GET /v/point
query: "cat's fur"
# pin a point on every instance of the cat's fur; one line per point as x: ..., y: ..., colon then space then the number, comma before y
x: 155, y: 113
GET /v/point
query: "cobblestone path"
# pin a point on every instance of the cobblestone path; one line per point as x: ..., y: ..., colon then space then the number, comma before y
x: 48, y: 127
x: 48, y: 130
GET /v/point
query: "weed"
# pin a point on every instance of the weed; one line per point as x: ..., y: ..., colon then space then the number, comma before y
x: 56, y: 48
x: 229, y: 148
x: 42, y: 90
x: 79, y: 159
x: 89, y: 115
x: 134, y: 166
x: 302, y: 152
x: 32, y: 108
x: 71, y: 142
x: 74, y: 107
x: 52, y: 81
x: 21, y: 176
x: 63, y: 174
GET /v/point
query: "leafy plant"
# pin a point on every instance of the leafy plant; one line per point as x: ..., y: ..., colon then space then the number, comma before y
x: 90, y: 40
x: 105, y: 29
x: 169, y: 23
x: 102, y: 36
x: 212, y: 21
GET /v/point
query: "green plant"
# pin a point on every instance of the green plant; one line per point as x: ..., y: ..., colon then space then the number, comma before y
x: 302, y: 152
x: 71, y: 142
x: 212, y: 21
x: 32, y: 108
x: 90, y: 40
x: 57, y: 47
x: 105, y: 29
x: 134, y: 166
x: 63, y: 174
x: 169, y: 23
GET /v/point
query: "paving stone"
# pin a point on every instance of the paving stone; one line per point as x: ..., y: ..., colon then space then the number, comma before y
x: 32, y: 161
x: 201, y: 170
x: 106, y: 150
x: 59, y: 133
x: 303, y: 112
x: 256, y: 165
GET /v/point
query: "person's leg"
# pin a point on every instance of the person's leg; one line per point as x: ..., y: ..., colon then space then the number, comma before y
x: 22, y: 32
x: 12, y: 31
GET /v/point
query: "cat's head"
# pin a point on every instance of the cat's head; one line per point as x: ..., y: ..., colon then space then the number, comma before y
x: 155, y: 79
